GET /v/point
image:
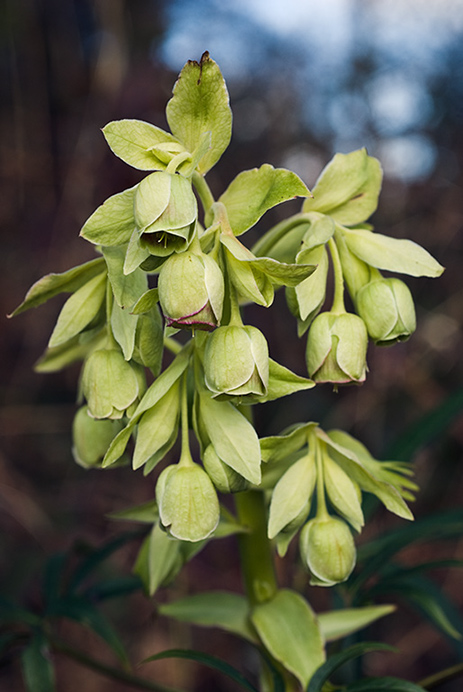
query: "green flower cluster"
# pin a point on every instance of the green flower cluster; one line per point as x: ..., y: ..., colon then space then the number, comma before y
x: 166, y: 266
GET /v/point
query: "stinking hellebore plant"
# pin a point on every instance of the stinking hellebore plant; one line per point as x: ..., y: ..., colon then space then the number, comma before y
x: 162, y: 266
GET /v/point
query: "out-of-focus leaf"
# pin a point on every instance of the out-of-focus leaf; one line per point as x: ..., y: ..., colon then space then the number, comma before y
x: 147, y: 513
x: 386, y: 684
x: 335, y: 661
x: 36, y: 665
x: 207, y: 660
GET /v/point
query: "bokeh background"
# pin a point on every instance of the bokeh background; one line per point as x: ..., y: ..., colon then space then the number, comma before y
x: 307, y: 78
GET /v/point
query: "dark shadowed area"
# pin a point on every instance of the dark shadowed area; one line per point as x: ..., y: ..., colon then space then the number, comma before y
x: 306, y: 80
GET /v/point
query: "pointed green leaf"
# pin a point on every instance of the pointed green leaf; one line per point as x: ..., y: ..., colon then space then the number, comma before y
x: 199, y: 105
x: 254, y: 192
x: 233, y: 437
x: 347, y: 188
x: 385, y: 684
x: 117, y: 447
x: 52, y: 284
x: 127, y: 289
x: 146, y: 513
x: 319, y: 232
x: 283, y: 381
x: 37, y: 667
x: 277, y: 447
x: 337, y: 660
x: 79, y: 310
x: 123, y: 327
x: 290, y: 633
x: 223, y: 609
x: 157, y: 425
x: 291, y: 495
x: 336, y: 624
x: 146, y: 302
x: 60, y: 357
x: 133, y: 140
x: 136, y: 254
x: 393, y: 254
x: 113, y: 222
x: 158, y: 559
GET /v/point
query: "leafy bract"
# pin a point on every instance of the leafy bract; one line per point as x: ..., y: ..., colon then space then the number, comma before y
x: 79, y: 310
x: 348, y: 188
x: 254, y: 192
x: 127, y: 289
x: 113, y: 222
x: 136, y: 143
x: 200, y: 105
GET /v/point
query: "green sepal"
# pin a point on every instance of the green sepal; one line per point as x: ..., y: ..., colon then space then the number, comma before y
x: 52, y: 284
x: 289, y: 631
x: 255, y: 191
x: 392, y: 254
x: 127, y: 289
x: 232, y: 435
x: 149, y: 341
x: 223, y: 609
x: 200, y: 105
x: 133, y: 141
x: 152, y: 198
x: 113, y: 222
x: 348, y: 188
x: 157, y: 425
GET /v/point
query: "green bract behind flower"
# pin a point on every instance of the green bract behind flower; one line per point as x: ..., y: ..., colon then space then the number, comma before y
x: 236, y: 361
x: 191, y: 291
x: 187, y: 501
x: 223, y: 476
x: 91, y: 438
x: 165, y: 213
x: 328, y: 550
x: 336, y: 348
x: 386, y: 306
x: 110, y: 384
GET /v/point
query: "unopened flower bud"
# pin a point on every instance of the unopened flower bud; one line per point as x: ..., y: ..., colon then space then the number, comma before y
x: 386, y: 306
x: 187, y: 501
x: 191, y: 291
x: 225, y: 479
x: 328, y: 550
x: 336, y: 348
x: 92, y: 437
x: 236, y: 361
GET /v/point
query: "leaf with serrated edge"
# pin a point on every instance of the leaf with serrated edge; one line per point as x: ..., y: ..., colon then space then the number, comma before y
x: 200, y: 104
x: 113, y: 222
x: 289, y: 630
x: 254, y: 192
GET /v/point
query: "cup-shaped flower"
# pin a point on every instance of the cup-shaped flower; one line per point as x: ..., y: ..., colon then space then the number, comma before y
x: 191, y: 291
x: 336, y: 348
x: 386, y: 306
x: 236, y: 362
x: 187, y: 502
x: 225, y: 479
x: 92, y: 437
x: 165, y: 213
x: 328, y: 550
x: 110, y: 384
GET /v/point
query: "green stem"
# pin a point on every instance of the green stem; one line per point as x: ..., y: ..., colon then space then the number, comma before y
x: 256, y: 554
x: 205, y: 195
x: 108, y: 671
x: 185, y: 456
x: 338, y: 300
x: 446, y: 675
x: 172, y: 345
x: 271, y: 237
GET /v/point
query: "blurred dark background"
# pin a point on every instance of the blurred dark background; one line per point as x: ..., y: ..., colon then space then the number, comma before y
x: 306, y: 79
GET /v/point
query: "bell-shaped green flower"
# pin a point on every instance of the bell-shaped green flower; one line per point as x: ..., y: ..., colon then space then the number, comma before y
x: 386, y: 306
x: 165, y: 212
x: 191, y: 291
x: 225, y: 479
x: 92, y: 437
x: 236, y: 361
x: 328, y: 549
x: 110, y: 384
x: 187, y: 501
x: 336, y: 348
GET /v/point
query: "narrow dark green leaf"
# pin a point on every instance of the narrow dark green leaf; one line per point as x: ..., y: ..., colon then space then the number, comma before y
x: 11, y: 613
x: 384, y: 684
x: 53, y: 580
x: 37, y: 668
x: 113, y: 588
x: 207, y: 660
x: 337, y: 660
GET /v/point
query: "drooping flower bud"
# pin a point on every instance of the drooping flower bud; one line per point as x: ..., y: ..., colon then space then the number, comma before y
x: 223, y: 476
x: 187, y: 501
x: 92, y: 437
x: 386, y: 306
x: 191, y: 291
x: 336, y: 348
x: 165, y: 213
x: 110, y: 384
x: 236, y: 361
x: 328, y: 550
